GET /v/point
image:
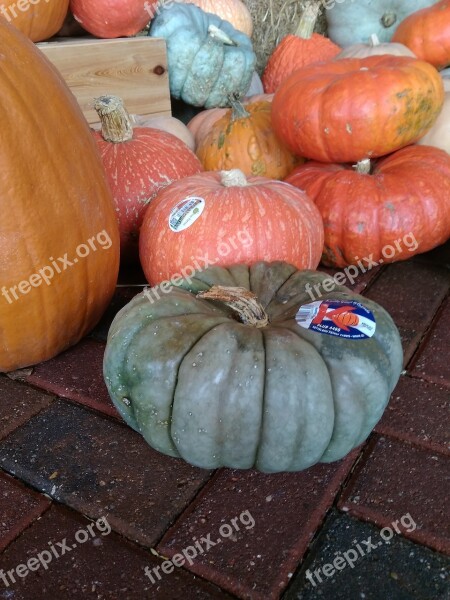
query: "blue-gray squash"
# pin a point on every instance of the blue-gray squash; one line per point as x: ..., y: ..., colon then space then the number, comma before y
x: 353, y: 22
x: 252, y: 367
x: 208, y: 60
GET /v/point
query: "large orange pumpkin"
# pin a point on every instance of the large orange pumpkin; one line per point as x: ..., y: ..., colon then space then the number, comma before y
x: 350, y: 109
x: 138, y: 163
x: 243, y: 139
x: 39, y: 19
x: 223, y: 218
x: 427, y: 33
x: 397, y: 208
x: 59, y: 241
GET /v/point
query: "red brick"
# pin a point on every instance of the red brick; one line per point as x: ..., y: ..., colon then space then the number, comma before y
x: 77, y: 374
x: 18, y: 403
x: 432, y: 362
x: 99, y: 466
x: 288, y: 508
x: 411, y: 292
x: 418, y: 412
x: 19, y: 506
x: 395, y: 478
x: 103, y: 567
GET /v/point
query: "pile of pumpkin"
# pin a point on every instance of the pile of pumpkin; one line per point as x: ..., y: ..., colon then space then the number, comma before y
x: 275, y: 389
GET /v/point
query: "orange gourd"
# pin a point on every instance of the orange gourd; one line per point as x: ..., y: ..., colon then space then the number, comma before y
x: 37, y: 20
x: 243, y: 139
x: 59, y: 241
x: 298, y: 50
x: 427, y: 33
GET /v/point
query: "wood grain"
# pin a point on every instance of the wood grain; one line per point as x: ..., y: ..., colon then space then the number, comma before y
x: 135, y: 69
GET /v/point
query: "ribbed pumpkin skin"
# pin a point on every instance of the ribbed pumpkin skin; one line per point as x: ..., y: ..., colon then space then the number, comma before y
x: 407, y: 193
x: 247, y: 143
x: 276, y: 220
x: 137, y: 170
x: 233, y: 11
x: 54, y: 196
x: 293, y: 53
x: 199, y: 385
x: 350, y: 109
x: 40, y: 21
x: 427, y: 33
x: 112, y: 18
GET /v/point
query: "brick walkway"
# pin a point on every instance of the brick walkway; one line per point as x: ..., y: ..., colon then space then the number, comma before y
x: 67, y: 458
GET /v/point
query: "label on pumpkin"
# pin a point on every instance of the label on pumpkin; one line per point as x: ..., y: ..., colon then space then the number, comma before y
x: 185, y: 213
x: 341, y: 318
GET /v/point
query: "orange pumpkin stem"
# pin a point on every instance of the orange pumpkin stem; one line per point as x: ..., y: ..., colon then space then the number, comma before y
x: 243, y: 302
x: 114, y: 118
x: 307, y: 22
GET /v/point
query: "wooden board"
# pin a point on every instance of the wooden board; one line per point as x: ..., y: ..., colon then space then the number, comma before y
x: 135, y: 69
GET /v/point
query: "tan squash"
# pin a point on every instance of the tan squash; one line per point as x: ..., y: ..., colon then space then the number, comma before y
x: 168, y: 124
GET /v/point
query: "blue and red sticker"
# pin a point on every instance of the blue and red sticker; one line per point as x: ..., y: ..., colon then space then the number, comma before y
x: 342, y: 318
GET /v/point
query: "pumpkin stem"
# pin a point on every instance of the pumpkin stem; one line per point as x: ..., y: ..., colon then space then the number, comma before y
x: 244, y: 303
x: 233, y: 178
x: 114, y: 118
x: 373, y: 40
x: 388, y: 19
x: 308, y: 20
x: 363, y: 167
x: 237, y: 108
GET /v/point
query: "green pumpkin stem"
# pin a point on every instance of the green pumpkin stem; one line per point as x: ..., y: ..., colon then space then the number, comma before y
x: 308, y: 20
x: 114, y: 118
x: 243, y: 302
x: 237, y: 109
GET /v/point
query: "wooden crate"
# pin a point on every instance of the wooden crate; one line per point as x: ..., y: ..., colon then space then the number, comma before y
x: 133, y: 68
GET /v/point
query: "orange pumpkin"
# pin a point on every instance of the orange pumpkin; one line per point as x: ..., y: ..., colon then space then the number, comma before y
x: 59, y: 241
x: 243, y: 139
x: 350, y: 109
x: 37, y: 20
x: 427, y: 33
x: 113, y: 18
x: 298, y: 50
x: 223, y: 218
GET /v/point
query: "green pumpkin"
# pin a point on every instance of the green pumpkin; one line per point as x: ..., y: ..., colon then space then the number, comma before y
x: 352, y: 22
x: 208, y: 60
x: 237, y: 380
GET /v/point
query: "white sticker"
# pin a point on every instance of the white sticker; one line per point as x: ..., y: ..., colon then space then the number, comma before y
x: 342, y: 318
x: 185, y: 213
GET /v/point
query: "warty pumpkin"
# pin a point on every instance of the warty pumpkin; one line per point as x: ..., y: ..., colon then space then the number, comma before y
x: 385, y: 212
x: 297, y: 50
x: 37, y: 20
x: 138, y: 162
x: 59, y: 241
x: 229, y: 219
x: 427, y: 33
x: 208, y: 59
x: 439, y: 134
x: 243, y: 139
x: 237, y: 368
x: 113, y: 18
x: 350, y: 109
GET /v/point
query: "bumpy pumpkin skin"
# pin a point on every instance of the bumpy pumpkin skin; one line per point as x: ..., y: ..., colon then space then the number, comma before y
x: 197, y: 384
x: 427, y: 34
x: 40, y: 20
x: 53, y: 197
x: 351, y: 109
x: 243, y: 139
x: 354, y: 22
x: 203, y: 69
x: 364, y: 213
